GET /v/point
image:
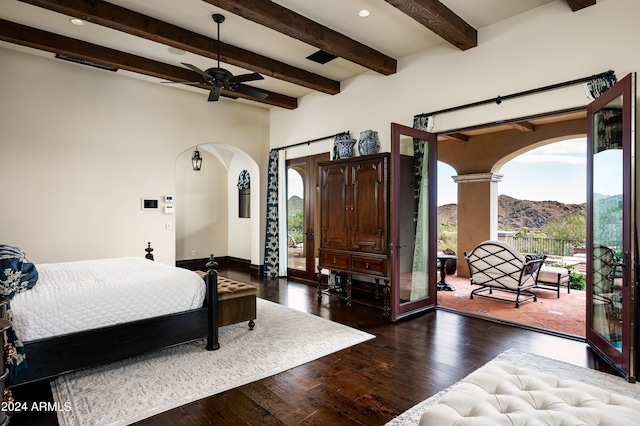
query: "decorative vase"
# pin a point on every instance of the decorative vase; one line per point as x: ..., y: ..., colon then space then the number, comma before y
x: 369, y: 142
x: 343, y: 147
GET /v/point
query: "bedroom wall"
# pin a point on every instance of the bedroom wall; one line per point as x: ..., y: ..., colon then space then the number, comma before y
x: 201, y: 207
x: 241, y: 229
x: 80, y: 146
x: 548, y: 45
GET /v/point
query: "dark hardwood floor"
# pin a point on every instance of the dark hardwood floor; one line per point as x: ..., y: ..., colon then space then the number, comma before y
x: 367, y: 384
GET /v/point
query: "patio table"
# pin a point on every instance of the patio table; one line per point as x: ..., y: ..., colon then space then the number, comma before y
x: 443, y: 284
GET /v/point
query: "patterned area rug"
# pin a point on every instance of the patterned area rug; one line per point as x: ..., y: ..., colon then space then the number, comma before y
x: 554, y: 367
x: 128, y: 391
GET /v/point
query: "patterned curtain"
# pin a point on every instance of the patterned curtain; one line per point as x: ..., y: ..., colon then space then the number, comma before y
x: 275, y: 248
x: 272, y: 238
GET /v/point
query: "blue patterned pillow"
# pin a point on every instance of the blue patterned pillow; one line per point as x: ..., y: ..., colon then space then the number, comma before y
x: 17, y: 274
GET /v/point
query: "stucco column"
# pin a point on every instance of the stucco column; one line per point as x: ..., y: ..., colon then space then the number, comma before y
x: 477, y: 213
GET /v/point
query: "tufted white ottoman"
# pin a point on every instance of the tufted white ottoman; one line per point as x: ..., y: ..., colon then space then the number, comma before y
x: 501, y: 394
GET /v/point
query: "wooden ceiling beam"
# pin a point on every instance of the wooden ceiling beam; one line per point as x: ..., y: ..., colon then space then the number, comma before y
x: 576, y: 5
x: 43, y: 40
x: 523, y: 126
x: 125, y: 20
x: 456, y: 137
x: 292, y: 24
x: 441, y: 20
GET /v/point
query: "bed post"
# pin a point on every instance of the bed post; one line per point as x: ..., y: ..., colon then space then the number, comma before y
x: 212, y: 303
x: 149, y: 251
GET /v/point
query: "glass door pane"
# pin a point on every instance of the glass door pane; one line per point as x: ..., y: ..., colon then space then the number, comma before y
x: 607, y: 224
x: 296, y: 220
x: 302, y: 218
x: 611, y: 231
x: 413, y: 231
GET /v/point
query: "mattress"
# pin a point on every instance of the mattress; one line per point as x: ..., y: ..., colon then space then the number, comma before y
x: 82, y: 295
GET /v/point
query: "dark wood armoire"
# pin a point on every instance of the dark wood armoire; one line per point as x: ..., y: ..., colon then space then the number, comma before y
x: 354, y: 220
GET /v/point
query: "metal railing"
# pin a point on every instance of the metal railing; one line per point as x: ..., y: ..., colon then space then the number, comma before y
x: 548, y: 246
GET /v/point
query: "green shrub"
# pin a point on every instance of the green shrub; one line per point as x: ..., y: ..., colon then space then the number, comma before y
x: 573, y: 227
x: 577, y: 281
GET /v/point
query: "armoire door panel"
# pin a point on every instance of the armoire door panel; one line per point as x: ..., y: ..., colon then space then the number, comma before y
x: 370, y: 206
x: 335, y: 208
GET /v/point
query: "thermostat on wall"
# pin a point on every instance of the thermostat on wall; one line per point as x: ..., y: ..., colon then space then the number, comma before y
x: 149, y: 204
x: 168, y: 209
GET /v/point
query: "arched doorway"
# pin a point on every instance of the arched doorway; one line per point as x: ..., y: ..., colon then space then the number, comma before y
x: 207, y: 215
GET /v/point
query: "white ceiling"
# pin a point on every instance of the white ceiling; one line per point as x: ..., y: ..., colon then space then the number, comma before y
x: 387, y: 30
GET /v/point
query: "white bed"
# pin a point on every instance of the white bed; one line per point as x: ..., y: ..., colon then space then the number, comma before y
x: 84, y: 295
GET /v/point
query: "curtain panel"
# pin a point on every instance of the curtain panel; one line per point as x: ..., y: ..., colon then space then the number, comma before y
x: 275, y: 248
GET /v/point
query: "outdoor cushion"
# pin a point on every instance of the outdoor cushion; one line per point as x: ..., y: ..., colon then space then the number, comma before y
x: 549, y: 275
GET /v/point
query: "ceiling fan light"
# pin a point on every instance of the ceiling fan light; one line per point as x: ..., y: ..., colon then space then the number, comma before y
x: 196, y: 160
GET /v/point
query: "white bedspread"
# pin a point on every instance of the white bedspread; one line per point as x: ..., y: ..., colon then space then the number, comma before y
x: 77, y: 296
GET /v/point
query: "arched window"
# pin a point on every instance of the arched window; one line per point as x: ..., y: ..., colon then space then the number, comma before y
x: 244, y: 194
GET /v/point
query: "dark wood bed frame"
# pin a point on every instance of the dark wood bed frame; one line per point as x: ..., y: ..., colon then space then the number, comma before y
x: 57, y: 355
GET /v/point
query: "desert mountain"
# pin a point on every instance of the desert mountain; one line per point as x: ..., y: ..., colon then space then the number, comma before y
x: 519, y: 214
x: 295, y: 205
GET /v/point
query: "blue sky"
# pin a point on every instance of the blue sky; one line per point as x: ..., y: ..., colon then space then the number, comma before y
x: 554, y: 172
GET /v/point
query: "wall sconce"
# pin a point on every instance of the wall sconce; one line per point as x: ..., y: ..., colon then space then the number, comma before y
x: 196, y: 160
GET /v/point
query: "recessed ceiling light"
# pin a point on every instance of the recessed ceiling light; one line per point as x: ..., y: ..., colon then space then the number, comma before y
x: 364, y: 13
x: 76, y: 21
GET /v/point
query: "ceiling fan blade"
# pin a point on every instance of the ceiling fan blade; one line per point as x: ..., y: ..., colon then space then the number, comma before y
x: 198, y: 70
x: 224, y: 95
x: 246, y: 77
x: 214, y: 95
x: 250, y: 91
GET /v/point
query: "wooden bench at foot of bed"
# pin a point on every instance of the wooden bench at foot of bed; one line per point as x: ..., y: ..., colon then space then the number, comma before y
x: 236, y: 302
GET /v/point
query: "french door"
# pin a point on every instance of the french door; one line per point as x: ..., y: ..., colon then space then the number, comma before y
x: 302, y: 218
x: 413, y: 226
x: 611, y: 227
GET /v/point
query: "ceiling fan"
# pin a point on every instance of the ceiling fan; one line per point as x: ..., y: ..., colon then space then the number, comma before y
x: 221, y: 78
